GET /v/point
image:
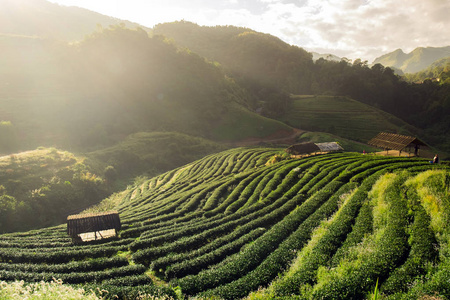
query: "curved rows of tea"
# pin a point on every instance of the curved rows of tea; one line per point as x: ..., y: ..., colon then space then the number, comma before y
x: 321, y: 227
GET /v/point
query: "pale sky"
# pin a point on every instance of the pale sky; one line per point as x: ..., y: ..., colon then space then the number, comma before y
x: 354, y: 29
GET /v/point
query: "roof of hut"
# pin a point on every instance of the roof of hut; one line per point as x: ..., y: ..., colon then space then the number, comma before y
x: 330, y: 146
x: 83, y: 223
x: 394, y: 141
x: 303, y: 148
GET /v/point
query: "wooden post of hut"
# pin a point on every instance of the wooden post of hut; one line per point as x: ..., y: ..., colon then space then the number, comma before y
x: 392, y: 141
x: 78, y: 226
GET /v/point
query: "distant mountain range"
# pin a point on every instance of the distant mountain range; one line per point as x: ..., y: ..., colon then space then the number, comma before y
x: 415, y: 61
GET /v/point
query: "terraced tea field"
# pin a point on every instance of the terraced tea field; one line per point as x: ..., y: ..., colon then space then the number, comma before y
x: 247, y: 221
x: 341, y: 116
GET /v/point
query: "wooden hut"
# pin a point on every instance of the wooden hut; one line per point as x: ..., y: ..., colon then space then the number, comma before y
x: 392, y: 141
x: 303, y: 148
x: 93, y: 226
x: 312, y: 148
x: 329, y: 147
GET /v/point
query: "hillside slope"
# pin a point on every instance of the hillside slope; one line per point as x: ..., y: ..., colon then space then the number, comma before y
x: 343, y: 117
x: 236, y: 221
x: 255, y: 58
x: 266, y: 66
x: 439, y: 69
x: 114, y: 83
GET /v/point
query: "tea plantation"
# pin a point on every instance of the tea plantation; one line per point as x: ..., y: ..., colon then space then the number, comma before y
x: 254, y: 223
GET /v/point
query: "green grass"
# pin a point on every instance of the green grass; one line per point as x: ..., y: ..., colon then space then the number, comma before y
x: 343, y: 117
x: 347, y: 144
x: 54, y: 290
x: 239, y: 123
x: 152, y: 153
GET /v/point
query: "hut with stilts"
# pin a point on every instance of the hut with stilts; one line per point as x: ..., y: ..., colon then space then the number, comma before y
x: 401, y: 143
x: 93, y: 226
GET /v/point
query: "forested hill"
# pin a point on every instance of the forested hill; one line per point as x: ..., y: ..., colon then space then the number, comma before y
x: 116, y: 82
x: 266, y: 64
x: 253, y: 57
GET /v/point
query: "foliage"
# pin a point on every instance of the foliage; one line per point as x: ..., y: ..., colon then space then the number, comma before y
x: 117, y: 82
x: 53, y: 290
x: 231, y: 223
x: 151, y: 153
x: 41, y: 187
x: 343, y: 117
x: 439, y: 69
x: 268, y: 67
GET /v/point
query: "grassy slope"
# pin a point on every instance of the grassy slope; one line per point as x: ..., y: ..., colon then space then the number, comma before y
x: 208, y: 212
x: 54, y: 182
x: 239, y: 123
x: 348, y: 145
x: 343, y: 117
x: 50, y: 102
x: 152, y: 153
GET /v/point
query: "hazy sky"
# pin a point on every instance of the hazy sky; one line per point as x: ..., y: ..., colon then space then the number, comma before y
x: 351, y: 28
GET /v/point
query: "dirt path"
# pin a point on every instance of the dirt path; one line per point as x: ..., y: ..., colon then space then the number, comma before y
x: 280, y: 137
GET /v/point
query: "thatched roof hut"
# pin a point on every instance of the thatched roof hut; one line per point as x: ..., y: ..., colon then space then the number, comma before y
x: 392, y: 141
x: 84, y: 223
x: 303, y: 148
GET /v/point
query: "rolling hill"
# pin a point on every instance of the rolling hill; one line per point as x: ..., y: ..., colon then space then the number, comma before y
x: 254, y: 221
x: 415, y: 61
x: 116, y: 82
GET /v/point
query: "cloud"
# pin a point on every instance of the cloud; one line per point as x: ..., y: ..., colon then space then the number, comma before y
x: 366, y: 29
x: 352, y: 28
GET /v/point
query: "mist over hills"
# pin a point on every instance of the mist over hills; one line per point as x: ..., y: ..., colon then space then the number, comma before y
x: 415, y: 61
x: 40, y: 18
x: 197, y: 80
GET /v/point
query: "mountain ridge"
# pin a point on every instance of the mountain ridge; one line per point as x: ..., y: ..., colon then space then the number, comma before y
x: 417, y: 60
